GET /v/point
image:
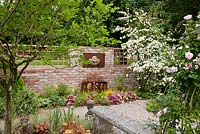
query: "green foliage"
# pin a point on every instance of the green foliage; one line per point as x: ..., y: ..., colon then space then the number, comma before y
x: 101, y: 98
x: 89, y: 25
x: 57, y: 100
x: 53, y: 96
x: 49, y: 90
x: 171, y: 13
x: 120, y: 83
x: 55, y: 119
x: 152, y: 106
x: 58, y: 116
x: 148, y: 94
x: 45, y: 102
x: 19, y: 85
x: 51, y: 101
x: 81, y: 98
x: 63, y: 90
x: 25, y: 102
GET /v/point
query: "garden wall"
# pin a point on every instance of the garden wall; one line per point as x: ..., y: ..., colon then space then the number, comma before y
x: 36, y: 77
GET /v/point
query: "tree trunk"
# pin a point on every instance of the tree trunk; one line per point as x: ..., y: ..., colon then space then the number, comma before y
x: 8, y: 112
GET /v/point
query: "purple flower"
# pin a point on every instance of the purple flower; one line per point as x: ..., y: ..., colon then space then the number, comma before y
x: 114, y: 98
x: 70, y: 99
x: 187, y: 17
x: 188, y: 55
x: 172, y: 69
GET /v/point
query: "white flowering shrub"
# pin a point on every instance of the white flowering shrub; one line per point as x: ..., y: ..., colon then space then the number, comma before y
x: 146, y: 46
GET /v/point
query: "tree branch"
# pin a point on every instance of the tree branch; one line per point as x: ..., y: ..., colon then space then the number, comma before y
x: 13, y: 11
x: 22, y: 70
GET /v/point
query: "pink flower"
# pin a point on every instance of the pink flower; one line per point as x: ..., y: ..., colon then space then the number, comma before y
x: 187, y: 17
x: 165, y: 110
x: 172, y: 69
x: 188, y: 55
x: 188, y: 66
x: 159, y: 114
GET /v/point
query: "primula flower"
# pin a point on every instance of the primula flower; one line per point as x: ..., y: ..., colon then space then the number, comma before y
x: 172, y: 69
x: 188, y: 66
x: 187, y: 17
x: 188, y: 55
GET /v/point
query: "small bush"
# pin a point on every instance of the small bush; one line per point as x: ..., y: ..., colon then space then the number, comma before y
x: 49, y: 90
x: 57, y: 100
x: 63, y: 90
x: 145, y: 94
x: 101, y: 98
x: 152, y: 106
x: 120, y: 83
x: 25, y: 102
x: 45, y: 102
x: 81, y: 98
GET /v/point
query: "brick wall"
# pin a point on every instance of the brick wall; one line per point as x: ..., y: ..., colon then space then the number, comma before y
x: 36, y: 77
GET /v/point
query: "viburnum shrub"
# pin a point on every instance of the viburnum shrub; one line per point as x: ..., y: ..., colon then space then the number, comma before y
x: 180, y: 106
x: 146, y: 47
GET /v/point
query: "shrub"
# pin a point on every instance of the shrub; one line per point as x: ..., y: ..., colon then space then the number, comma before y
x: 120, y: 83
x: 81, y: 98
x: 25, y: 102
x: 63, y: 90
x: 152, y: 106
x: 49, y: 90
x: 45, y: 102
x: 57, y: 100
